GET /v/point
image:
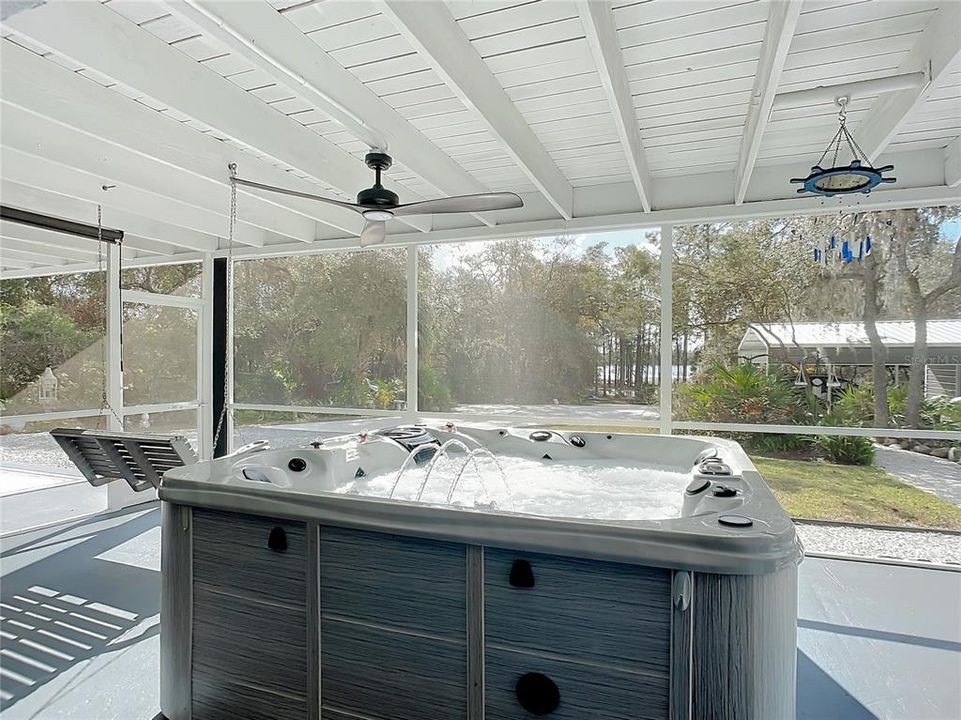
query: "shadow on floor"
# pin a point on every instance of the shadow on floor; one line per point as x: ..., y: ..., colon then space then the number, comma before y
x: 927, y: 642
x: 62, y: 603
x: 819, y: 697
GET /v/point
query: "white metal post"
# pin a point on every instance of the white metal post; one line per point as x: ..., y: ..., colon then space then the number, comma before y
x: 205, y: 369
x: 667, y: 335
x: 229, y: 420
x: 119, y: 494
x: 412, y: 334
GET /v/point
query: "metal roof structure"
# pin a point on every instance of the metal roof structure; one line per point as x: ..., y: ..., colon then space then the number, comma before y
x: 602, y: 115
x: 899, y: 333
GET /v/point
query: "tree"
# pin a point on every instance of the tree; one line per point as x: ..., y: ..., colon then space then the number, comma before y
x: 921, y: 252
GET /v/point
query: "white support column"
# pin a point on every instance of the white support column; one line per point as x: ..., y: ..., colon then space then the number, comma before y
x: 119, y: 494
x: 205, y: 369
x: 667, y: 339
x: 412, y: 334
x: 952, y: 163
x: 229, y: 420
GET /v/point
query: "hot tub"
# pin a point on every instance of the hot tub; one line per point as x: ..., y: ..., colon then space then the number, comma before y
x: 430, y: 573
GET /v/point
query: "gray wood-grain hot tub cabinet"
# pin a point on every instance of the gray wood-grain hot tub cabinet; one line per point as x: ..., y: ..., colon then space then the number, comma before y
x: 275, y: 619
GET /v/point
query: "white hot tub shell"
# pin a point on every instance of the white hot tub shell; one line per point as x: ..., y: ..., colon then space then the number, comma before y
x: 286, y: 597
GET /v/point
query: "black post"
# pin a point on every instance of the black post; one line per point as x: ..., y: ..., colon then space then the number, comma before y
x: 219, y: 351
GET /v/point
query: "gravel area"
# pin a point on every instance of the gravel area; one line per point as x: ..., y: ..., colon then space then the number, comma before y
x: 935, y: 547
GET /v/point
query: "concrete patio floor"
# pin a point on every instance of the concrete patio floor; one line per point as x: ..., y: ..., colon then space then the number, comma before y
x: 80, y: 622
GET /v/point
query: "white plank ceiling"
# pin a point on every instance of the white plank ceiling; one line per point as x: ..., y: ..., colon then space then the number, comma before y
x: 154, y: 99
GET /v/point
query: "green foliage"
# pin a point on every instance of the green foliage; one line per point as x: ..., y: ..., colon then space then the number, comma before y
x: 521, y: 321
x: 855, y: 408
x: 34, y: 336
x: 322, y: 330
x: 742, y: 394
x: 434, y: 393
x: 776, y: 443
x: 847, y: 450
x: 855, y: 405
x: 941, y: 413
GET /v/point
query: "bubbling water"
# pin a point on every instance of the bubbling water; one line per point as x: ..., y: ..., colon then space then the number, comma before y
x: 597, y: 489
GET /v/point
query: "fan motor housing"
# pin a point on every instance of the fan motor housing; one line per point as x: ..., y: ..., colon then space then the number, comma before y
x: 378, y: 196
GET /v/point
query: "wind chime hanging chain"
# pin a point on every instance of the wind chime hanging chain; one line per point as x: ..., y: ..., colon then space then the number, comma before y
x: 845, y: 135
x: 230, y: 287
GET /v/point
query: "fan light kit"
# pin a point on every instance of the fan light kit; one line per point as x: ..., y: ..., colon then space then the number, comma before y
x: 857, y: 177
x: 377, y: 204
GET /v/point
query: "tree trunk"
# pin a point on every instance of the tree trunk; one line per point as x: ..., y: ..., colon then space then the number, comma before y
x: 912, y: 413
x: 684, y: 362
x: 638, y: 358
x: 879, y: 352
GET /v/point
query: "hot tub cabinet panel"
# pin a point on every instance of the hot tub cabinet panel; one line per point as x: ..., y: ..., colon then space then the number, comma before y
x: 382, y: 674
x: 745, y: 645
x: 409, y: 584
x: 611, y: 613
x: 391, y: 631
x: 583, y: 690
x: 294, y: 606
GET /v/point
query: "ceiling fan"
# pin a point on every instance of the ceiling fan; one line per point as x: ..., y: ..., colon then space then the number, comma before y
x: 377, y: 204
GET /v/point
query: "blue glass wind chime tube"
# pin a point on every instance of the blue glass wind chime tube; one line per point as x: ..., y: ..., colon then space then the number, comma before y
x: 844, y: 252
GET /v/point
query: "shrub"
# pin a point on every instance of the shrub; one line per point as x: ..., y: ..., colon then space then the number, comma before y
x: 855, y: 405
x: 773, y: 443
x: 742, y: 394
x: 847, y: 450
x: 941, y: 413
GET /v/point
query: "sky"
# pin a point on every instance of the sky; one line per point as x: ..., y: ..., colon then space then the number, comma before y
x: 951, y: 229
x: 449, y: 255
x: 446, y: 256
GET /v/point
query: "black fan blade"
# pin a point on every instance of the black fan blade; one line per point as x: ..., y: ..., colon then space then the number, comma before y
x: 481, y: 202
x: 373, y: 233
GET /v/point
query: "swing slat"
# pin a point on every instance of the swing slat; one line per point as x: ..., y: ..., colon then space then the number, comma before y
x: 140, y: 460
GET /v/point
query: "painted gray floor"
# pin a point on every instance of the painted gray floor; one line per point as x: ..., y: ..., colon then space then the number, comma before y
x: 80, y: 614
x: 938, y: 476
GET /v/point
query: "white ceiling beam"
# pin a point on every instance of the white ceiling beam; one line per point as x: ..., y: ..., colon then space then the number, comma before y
x: 269, y: 41
x: 142, y: 261
x: 435, y: 34
x: 102, y: 113
x: 36, y: 171
x: 78, y: 247
x: 14, y: 253
x: 952, y: 163
x: 140, y: 60
x: 681, y: 200
x: 10, y: 241
x: 7, y: 262
x: 141, y: 233
x: 884, y: 200
x: 598, y: 20
x: 778, y: 33
x: 935, y: 52
x: 113, y: 165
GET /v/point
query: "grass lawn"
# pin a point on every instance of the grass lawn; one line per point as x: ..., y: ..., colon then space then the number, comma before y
x: 822, y: 491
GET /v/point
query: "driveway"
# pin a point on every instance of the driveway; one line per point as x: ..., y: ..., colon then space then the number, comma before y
x: 941, y: 477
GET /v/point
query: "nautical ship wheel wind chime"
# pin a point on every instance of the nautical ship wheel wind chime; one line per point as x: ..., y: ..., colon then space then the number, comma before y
x: 856, y: 177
